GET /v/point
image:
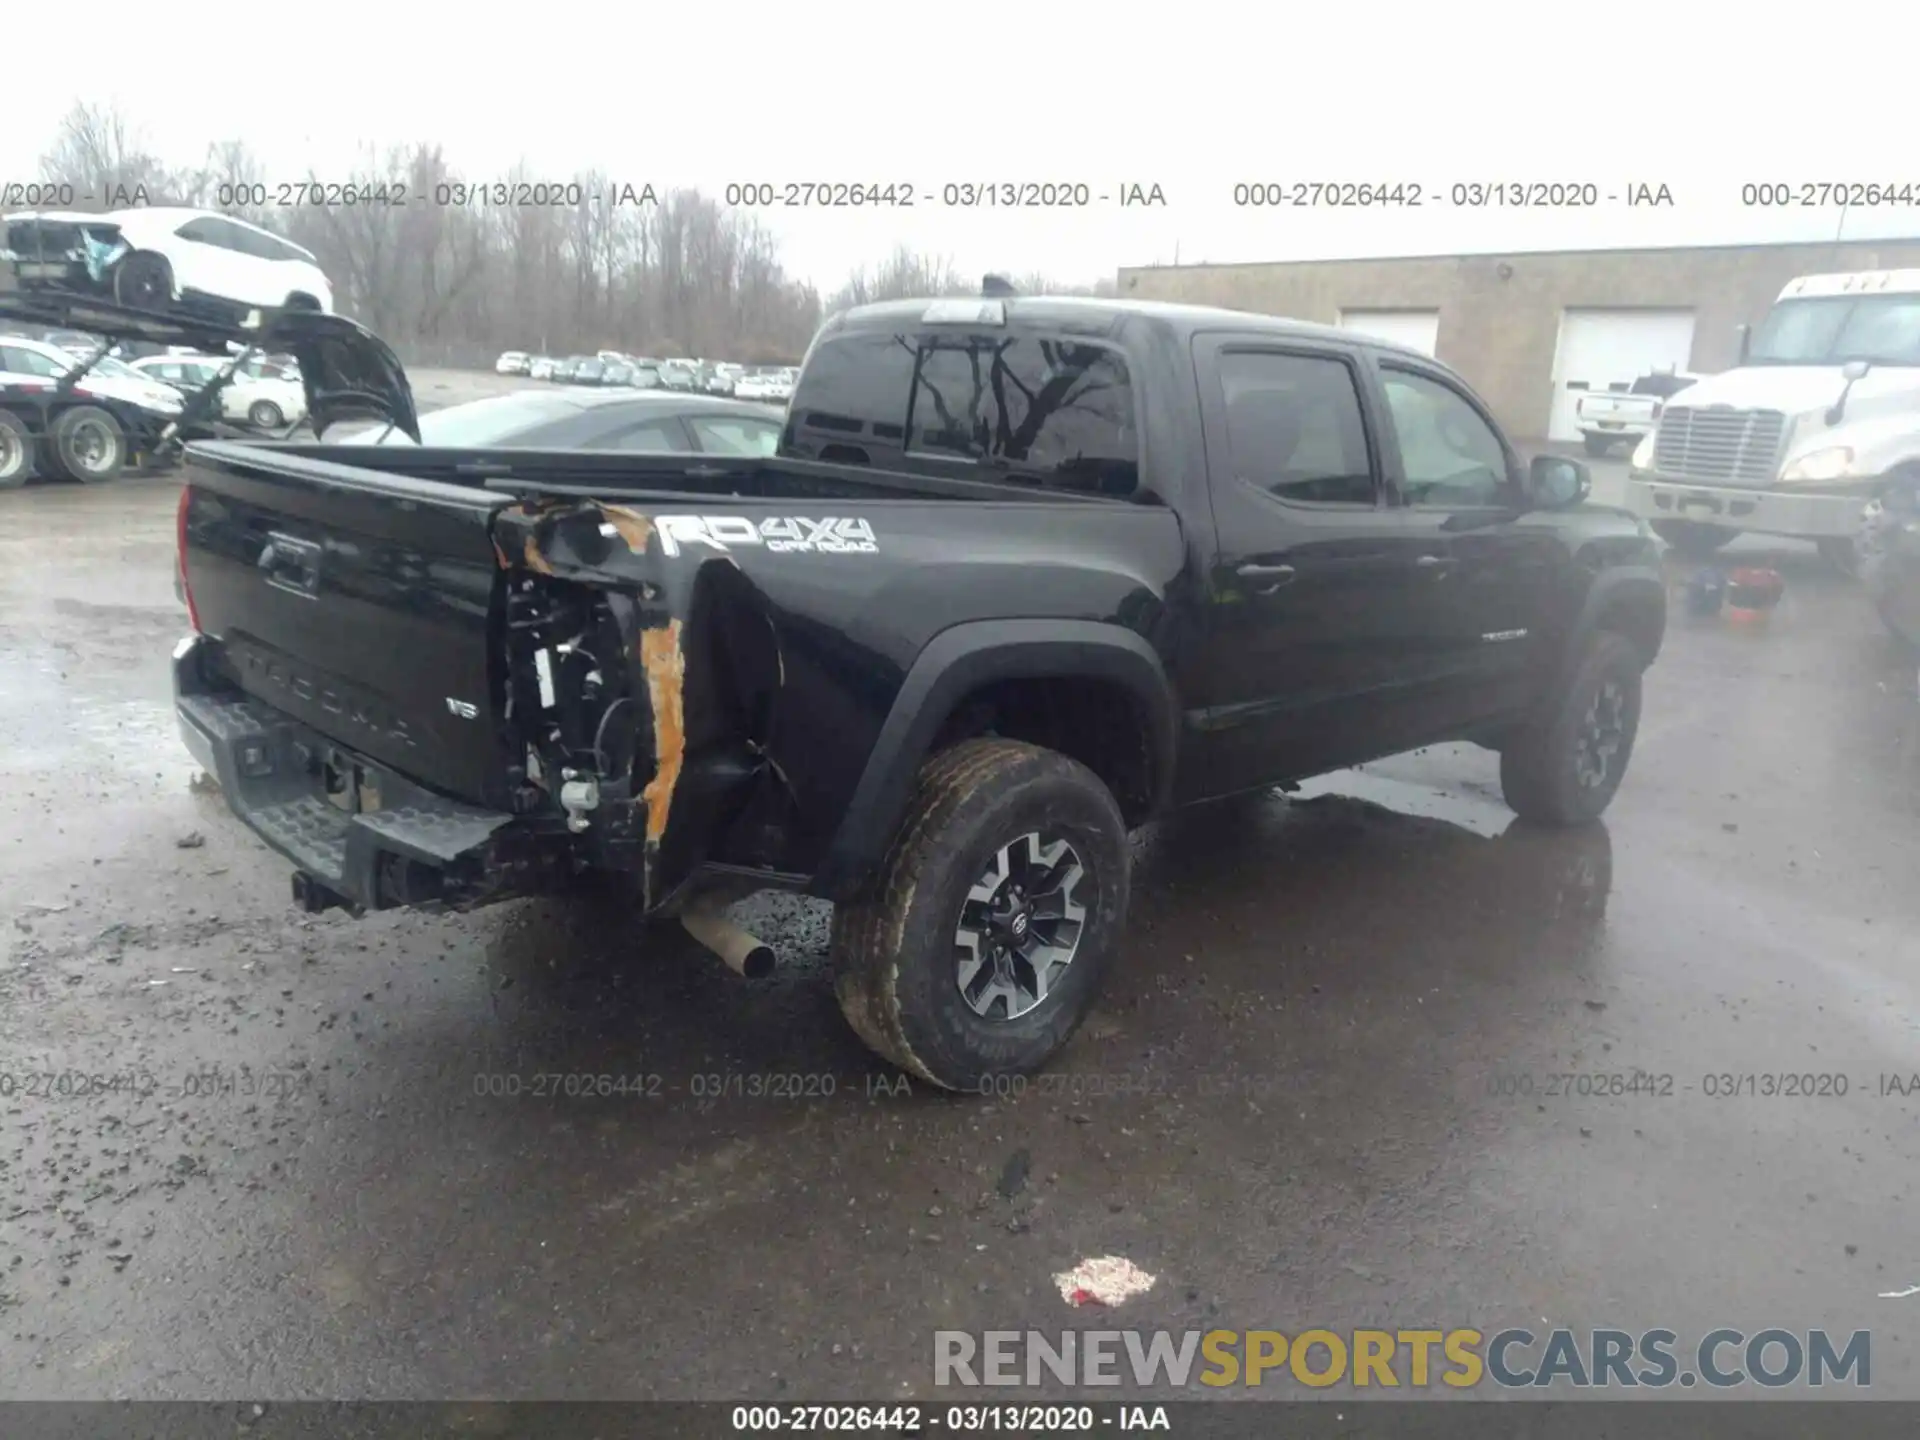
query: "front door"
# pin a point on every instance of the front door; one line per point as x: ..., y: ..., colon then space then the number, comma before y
x: 1317, y: 632
x: 1462, y: 487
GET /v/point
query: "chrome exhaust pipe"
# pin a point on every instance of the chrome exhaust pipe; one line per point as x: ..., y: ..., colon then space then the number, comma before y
x: 740, y: 952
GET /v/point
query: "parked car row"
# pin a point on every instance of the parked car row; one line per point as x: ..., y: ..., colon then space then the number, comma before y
x: 771, y: 384
x: 91, y: 426
x: 264, y: 399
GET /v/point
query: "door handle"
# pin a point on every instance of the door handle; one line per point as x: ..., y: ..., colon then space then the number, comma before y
x: 1274, y: 575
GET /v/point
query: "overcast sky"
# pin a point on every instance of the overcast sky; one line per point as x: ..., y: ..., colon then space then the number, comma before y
x: 1192, y: 97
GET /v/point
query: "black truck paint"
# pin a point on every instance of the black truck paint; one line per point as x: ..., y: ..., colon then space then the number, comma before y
x: 439, y: 677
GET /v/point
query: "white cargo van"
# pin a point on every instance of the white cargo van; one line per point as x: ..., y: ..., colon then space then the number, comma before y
x: 1823, y: 407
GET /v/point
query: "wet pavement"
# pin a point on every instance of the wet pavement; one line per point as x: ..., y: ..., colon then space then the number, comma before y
x: 1320, y: 1089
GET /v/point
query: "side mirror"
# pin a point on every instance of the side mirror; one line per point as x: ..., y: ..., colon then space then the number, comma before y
x: 1554, y: 482
x: 1745, y: 332
x: 1850, y: 372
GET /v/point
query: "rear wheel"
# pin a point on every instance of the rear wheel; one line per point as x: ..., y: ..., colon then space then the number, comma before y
x: 300, y: 300
x: 16, y: 451
x: 1691, y: 538
x: 982, y: 943
x: 89, y: 445
x: 144, y: 281
x: 1564, y: 768
x: 265, y: 415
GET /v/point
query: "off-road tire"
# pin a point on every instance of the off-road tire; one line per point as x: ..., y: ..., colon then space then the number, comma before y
x: 144, y: 281
x: 895, y: 957
x: 1540, y: 767
x: 1692, y: 538
x: 1596, y: 445
x: 71, y: 429
x: 17, y: 450
x: 1907, y: 642
x: 265, y: 415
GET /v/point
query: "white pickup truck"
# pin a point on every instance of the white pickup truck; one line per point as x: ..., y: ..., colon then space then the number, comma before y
x: 1820, y: 415
x: 1608, y: 417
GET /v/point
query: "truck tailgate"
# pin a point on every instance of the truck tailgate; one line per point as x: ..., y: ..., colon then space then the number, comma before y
x: 1615, y: 409
x: 365, y: 605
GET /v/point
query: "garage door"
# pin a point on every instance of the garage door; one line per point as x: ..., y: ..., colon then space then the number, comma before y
x: 1416, y: 329
x: 1605, y: 349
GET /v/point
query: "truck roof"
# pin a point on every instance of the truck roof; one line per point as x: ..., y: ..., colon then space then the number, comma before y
x: 1857, y: 282
x: 1098, y: 316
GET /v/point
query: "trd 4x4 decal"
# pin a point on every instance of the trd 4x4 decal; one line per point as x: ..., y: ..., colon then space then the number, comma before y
x: 797, y: 533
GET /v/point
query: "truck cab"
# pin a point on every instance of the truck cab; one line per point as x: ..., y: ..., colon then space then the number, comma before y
x: 1822, y: 409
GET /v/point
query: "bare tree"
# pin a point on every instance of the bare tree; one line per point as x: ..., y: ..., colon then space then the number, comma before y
x: 98, y: 152
x: 451, y: 272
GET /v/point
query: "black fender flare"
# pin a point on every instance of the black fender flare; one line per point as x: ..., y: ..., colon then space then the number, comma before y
x: 961, y: 659
x: 1635, y: 589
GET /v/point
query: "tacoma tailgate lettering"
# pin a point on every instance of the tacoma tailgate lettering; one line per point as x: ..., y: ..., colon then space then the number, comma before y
x: 796, y: 534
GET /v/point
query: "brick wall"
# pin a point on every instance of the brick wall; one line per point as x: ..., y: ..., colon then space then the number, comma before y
x: 1500, y: 314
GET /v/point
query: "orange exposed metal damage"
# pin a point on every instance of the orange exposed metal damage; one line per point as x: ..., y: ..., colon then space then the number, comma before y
x: 633, y: 527
x: 666, y: 666
x: 537, y: 562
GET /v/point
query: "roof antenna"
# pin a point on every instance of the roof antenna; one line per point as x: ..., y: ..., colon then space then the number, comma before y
x: 997, y: 286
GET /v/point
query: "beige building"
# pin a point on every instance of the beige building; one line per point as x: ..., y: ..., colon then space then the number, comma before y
x: 1532, y: 332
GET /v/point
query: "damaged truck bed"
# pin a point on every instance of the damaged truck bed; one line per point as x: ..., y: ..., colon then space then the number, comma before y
x: 497, y: 690
x: 1023, y: 573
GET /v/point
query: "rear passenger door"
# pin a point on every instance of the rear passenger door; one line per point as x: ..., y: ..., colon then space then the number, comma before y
x: 1320, y: 649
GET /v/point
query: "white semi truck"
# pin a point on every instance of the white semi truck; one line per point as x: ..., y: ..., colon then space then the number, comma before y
x: 1821, y: 412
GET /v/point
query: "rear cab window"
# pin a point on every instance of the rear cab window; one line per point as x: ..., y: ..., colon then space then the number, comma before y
x: 1012, y: 404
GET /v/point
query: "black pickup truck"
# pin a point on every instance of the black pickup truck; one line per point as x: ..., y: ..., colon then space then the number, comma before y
x: 1024, y: 573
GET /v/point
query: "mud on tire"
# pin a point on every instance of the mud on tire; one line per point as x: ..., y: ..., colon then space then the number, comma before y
x: 1565, y: 767
x: 980, y: 808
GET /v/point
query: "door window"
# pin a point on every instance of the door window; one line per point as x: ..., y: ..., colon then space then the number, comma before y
x: 1295, y: 428
x: 21, y: 361
x: 207, y: 230
x: 651, y: 436
x: 1451, y: 456
x: 734, y: 435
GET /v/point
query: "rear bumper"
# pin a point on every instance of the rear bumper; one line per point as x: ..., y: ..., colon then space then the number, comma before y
x: 358, y: 834
x: 1764, y: 512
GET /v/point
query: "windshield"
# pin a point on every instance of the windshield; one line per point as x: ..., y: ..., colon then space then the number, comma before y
x: 1660, y: 386
x: 119, y: 369
x: 1831, y: 330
